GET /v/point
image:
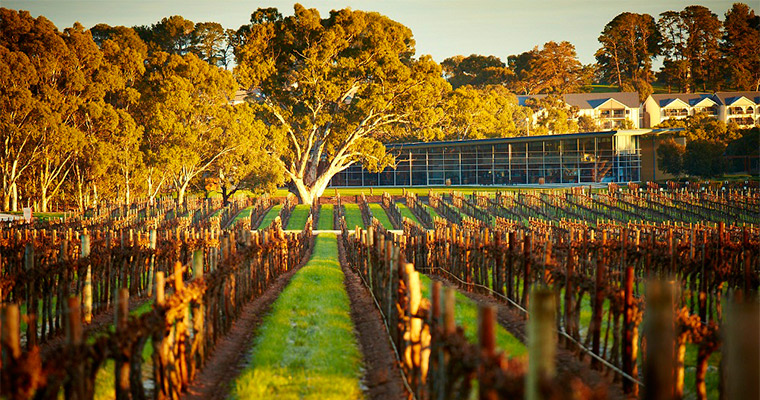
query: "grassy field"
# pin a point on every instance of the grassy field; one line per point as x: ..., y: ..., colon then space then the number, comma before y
x: 353, y: 216
x: 379, y: 212
x: 306, y: 348
x: 407, y: 213
x: 326, y: 217
x: 298, y: 217
x: 270, y: 216
x: 467, y: 316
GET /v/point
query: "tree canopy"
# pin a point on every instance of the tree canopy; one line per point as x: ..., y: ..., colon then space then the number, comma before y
x: 329, y: 86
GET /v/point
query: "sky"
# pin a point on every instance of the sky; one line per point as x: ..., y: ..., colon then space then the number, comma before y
x: 442, y: 28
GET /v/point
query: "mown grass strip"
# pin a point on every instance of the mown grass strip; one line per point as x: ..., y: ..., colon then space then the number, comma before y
x: 326, y: 217
x: 270, y: 216
x: 466, y: 315
x: 432, y: 212
x: 379, y: 212
x: 407, y: 213
x: 353, y: 216
x: 306, y: 348
x: 243, y: 214
x: 298, y: 217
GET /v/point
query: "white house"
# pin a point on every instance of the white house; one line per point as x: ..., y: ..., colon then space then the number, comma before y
x: 608, y: 110
x: 737, y: 107
x: 742, y: 108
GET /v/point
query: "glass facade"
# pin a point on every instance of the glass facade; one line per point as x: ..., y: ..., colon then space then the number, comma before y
x: 572, y: 158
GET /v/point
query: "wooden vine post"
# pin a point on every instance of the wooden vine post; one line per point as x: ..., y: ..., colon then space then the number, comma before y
x: 31, y: 298
x: 742, y: 349
x: 76, y: 387
x: 631, y: 332
x: 87, y: 288
x: 487, y: 343
x: 124, y: 353
x: 152, y: 266
x: 542, y: 342
x: 596, y: 323
x: 198, y: 310
x: 659, y: 332
x: 160, y: 345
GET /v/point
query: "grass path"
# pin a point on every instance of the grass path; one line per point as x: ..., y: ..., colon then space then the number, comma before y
x: 407, y: 213
x: 353, y: 216
x: 270, y: 216
x: 326, y: 217
x: 379, y: 212
x: 306, y: 348
x: 243, y: 214
x: 466, y: 315
x: 298, y: 217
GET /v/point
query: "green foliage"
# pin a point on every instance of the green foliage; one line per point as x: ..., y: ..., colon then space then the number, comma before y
x: 587, y: 124
x: 188, y: 120
x: 703, y: 127
x: 553, y: 69
x: 690, y: 46
x: 306, y: 348
x: 670, y: 156
x: 704, y: 158
x: 742, y: 54
x: 475, y: 70
x: 472, y: 113
x: 629, y: 43
x: 554, y: 116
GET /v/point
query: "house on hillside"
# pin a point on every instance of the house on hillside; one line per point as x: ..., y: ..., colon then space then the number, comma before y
x: 609, y: 111
x: 661, y: 107
x: 742, y: 108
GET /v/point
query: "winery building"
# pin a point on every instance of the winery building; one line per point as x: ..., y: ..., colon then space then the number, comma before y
x: 577, y: 158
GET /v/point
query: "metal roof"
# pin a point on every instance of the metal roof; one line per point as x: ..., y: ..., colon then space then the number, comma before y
x: 590, y: 101
x: 517, y: 139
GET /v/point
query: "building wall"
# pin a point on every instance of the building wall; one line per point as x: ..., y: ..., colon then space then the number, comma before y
x: 650, y: 169
x: 564, y: 159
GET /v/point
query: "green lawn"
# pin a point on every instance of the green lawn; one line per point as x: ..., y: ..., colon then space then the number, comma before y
x: 466, y: 315
x: 407, y: 213
x: 379, y: 212
x: 326, y: 217
x: 432, y: 212
x: 298, y: 217
x: 270, y: 216
x: 419, y: 190
x: 243, y: 214
x: 306, y: 348
x: 353, y: 216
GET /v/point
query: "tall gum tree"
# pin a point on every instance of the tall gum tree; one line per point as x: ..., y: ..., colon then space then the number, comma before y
x: 186, y: 112
x: 329, y: 87
x: 19, y: 119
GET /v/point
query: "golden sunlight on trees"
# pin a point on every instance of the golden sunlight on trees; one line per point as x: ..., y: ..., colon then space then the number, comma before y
x: 629, y: 43
x: 329, y: 86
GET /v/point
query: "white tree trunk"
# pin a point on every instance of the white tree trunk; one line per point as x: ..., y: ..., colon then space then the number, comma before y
x: 14, y: 197
x: 309, y: 193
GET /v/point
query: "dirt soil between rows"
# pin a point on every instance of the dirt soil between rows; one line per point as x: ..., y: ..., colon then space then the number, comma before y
x: 229, y: 359
x: 567, y: 362
x: 382, y: 377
